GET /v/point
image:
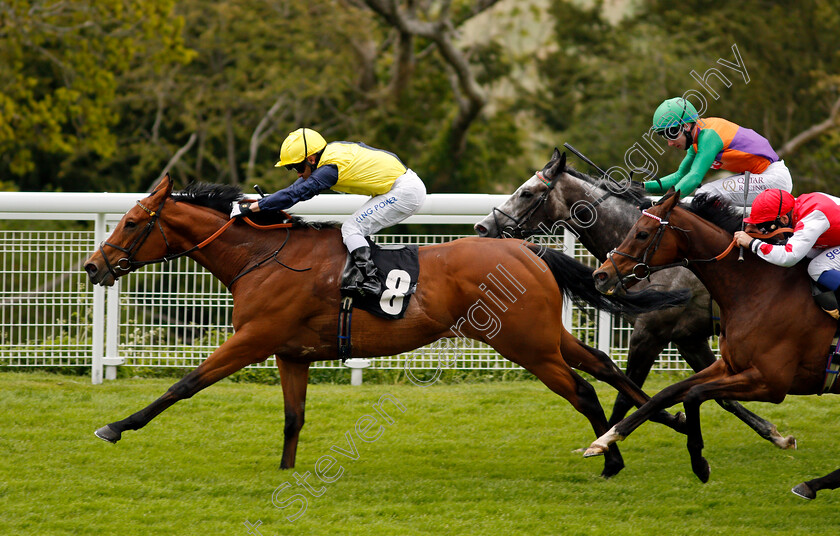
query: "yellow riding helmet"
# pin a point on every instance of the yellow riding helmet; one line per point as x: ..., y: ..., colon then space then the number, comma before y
x: 298, y: 145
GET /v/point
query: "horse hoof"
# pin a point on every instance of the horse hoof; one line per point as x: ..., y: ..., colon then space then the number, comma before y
x: 593, y: 451
x: 611, y: 470
x: 790, y: 443
x: 106, y: 433
x: 701, y: 469
x: 804, y: 491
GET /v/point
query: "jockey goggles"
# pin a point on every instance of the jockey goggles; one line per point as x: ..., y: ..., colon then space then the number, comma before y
x: 299, y: 167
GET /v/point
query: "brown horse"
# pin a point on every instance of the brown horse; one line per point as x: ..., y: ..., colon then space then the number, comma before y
x: 285, y: 286
x: 774, y: 339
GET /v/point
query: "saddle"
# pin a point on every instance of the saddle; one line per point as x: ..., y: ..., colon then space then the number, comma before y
x: 399, y: 270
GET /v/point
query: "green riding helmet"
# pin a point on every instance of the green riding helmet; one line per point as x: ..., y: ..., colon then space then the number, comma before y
x: 674, y: 113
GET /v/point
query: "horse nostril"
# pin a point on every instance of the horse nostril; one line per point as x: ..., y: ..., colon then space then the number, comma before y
x: 599, y: 276
x: 91, y: 269
x: 480, y: 229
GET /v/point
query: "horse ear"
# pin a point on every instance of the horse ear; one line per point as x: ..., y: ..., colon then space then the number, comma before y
x: 562, y: 166
x: 672, y: 197
x: 164, y: 186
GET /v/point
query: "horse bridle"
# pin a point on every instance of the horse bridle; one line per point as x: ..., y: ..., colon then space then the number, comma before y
x: 643, y: 270
x: 127, y: 263
x: 525, y: 232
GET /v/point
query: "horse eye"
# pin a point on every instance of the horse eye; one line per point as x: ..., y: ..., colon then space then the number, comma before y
x: 130, y: 224
x: 642, y: 235
x: 526, y: 194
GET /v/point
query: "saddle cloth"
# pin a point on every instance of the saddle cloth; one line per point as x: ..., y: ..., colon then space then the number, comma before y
x: 399, y: 268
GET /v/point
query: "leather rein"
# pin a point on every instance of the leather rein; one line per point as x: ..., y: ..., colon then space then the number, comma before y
x: 129, y: 263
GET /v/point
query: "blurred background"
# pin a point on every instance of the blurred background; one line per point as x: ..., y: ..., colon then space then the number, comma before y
x: 472, y: 94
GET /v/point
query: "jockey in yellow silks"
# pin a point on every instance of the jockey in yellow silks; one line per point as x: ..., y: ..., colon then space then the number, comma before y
x: 396, y: 193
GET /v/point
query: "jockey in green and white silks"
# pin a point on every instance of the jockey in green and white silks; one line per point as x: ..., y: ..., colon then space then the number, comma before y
x: 715, y: 143
x: 396, y: 193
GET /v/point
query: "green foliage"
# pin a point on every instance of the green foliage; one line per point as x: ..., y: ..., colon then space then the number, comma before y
x: 605, y: 81
x: 63, y: 68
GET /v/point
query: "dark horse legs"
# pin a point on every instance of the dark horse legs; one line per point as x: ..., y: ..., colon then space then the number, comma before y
x: 809, y: 489
x: 235, y: 354
x: 294, y: 378
x: 643, y: 352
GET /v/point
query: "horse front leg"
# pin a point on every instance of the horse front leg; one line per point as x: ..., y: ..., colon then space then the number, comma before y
x: 698, y: 355
x: 744, y: 385
x: 808, y: 490
x: 564, y: 381
x: 236, y: 353
x: 294, y: 378
x: 666, y: 398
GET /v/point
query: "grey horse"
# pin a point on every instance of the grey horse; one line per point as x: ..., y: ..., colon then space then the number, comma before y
x: 601, y: 215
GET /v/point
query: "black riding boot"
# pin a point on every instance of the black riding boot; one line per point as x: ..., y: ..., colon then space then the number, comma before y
x: 361, y: 275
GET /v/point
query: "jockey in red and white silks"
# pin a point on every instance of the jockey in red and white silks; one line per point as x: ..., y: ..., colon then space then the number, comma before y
x: 815, y: 219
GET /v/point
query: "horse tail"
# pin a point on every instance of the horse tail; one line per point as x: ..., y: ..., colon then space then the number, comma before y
x: 575, y: 281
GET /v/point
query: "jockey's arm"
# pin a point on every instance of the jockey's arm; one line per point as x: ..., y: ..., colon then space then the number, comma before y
x: 302, y: 189
x: 667, y: 181
x: 693, y: 167
x: 809, y: 229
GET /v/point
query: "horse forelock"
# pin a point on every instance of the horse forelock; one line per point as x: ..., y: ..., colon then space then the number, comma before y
x: 222, y: 196
x: 717, y: 210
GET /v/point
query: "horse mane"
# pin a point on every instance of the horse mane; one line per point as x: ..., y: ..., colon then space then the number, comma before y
x: 631, y: 195
x: 717, y: 210
x: 221, y: 197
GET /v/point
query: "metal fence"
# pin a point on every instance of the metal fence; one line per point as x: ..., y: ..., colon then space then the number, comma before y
x: 176, y: 314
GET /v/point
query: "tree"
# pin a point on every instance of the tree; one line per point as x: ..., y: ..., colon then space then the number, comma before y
x: 63, y: 63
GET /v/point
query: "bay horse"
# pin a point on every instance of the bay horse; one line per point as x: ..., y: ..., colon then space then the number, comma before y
x: 285, y: 288
x: 601, y: 217
x: 775, y: 339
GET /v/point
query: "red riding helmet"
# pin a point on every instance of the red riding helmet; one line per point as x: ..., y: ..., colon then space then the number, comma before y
x: 770, y: 205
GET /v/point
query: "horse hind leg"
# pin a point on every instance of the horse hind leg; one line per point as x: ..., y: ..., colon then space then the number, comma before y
x: 294, y: 378
x: 808, y: 490
x: 699, y: 356
x: 581, y: 395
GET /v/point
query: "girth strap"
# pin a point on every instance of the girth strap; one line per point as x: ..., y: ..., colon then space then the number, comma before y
x: 345, y: 316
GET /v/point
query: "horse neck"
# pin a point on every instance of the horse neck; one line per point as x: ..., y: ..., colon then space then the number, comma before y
x: 614, y: 216
x: 726, y: 279
x: 234, y: 250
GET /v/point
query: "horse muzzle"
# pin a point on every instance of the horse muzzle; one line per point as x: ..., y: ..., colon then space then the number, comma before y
x: 98, y: 273
x: 607, y: 283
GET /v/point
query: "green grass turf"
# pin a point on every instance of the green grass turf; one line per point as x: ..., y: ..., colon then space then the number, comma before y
x: 476, y: 458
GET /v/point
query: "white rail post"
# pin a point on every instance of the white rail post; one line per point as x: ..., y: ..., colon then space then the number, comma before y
x: 356, y: 365
x: 112, y: 333
x: 98, y: 345
x: 569, y: 241
x: 605, y: 332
